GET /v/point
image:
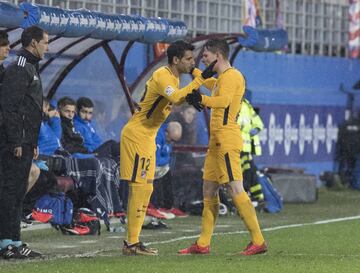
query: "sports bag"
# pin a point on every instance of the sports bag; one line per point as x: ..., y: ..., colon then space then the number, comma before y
x: 273, y: 199
x: 54, y: 208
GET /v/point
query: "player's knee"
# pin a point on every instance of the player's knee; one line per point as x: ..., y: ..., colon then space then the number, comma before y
x: 235, y: 187
x: 210, y: 190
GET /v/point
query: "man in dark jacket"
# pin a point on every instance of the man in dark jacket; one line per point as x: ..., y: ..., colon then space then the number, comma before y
x: 21, y: 102
x: 71, y: 140
x: 4, y: 52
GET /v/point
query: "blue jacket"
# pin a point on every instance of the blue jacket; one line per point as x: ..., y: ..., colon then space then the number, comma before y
x: 87, y: 130
x: 163, y: 149
x: 49, y: 136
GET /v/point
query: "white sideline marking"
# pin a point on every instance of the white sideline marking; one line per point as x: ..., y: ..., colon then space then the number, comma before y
x: 320, y: 254
x: 264, y: 229
x: 115, y: 237
x: 88, y: 242
x: 65, y: 246
x: 102, y: 254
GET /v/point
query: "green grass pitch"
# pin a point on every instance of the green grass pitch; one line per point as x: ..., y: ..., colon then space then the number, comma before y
x: 318, y: 246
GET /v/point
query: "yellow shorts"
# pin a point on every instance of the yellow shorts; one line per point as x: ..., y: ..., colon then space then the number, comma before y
x: 223, y: 166
x: 137, y: 161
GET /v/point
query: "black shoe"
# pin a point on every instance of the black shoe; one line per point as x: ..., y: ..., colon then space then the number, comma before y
x: 261, y: 205
x: 10, y: 252
x: 161, y: 224
x: 26, y: 252
x: 151, y: 225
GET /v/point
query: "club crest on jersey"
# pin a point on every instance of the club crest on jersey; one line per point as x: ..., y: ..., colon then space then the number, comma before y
x: 143, y: 174
x: 169, y: 90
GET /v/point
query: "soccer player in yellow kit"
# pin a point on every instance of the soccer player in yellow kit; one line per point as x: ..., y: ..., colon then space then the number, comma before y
x: 222, y: 163
x: 138, y: 147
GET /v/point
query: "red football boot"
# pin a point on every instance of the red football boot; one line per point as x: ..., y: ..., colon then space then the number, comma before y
x: 195, y: 249
x: 252, y: 249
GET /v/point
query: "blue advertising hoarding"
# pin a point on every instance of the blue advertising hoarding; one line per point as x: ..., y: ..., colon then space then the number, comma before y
x: 299, y: 133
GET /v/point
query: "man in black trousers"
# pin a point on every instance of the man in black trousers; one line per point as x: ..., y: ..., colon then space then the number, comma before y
x: 21, y: 103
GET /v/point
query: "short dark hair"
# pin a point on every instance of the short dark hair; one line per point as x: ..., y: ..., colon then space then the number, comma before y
x: 4, y: 38
x: 217, y: 45
x: 65, y: 101
x: 84, y: 102
x: 177, y: 49
x: 33, y: 32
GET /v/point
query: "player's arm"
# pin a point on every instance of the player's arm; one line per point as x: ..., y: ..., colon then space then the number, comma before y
x: 167, y: 87
x: 223, y: 100
x: 208, y: 83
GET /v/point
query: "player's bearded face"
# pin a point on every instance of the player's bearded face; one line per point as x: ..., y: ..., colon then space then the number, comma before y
x: 187, y: 62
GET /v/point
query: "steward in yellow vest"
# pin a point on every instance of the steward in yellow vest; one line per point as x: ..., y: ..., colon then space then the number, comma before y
x: 250, y: 126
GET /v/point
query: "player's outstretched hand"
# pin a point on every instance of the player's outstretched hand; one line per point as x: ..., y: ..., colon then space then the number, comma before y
x: 208, y: 72
x: 195, y: 99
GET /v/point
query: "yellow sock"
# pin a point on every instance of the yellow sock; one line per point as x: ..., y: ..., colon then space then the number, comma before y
x: 139, y: 195
x: 248, y: 214
x: 208, y: 220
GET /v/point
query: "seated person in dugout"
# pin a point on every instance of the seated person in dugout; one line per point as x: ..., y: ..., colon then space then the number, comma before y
x: 85, y: 125
x: 186, y: 117
x: 96, y: 178
x: 71, y: 140
x: 162, y: 199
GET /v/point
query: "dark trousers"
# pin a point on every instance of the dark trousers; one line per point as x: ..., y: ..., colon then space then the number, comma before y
x: 2, y: 151
x: 162, y: 196
x: 250, y: 176
x: 109, y: 149
x: 15, y: 173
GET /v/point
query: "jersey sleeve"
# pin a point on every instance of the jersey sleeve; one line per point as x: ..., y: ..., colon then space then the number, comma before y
x: 225, y: 93
x: 208, y: 83
x: 167, y: 87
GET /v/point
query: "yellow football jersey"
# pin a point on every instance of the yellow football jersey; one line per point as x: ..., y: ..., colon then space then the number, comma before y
x: 162, y: 90
x: 225, y: 103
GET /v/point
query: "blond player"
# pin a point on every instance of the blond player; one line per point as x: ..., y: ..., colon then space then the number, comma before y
x: 137, y: 148
x: 222, y: 163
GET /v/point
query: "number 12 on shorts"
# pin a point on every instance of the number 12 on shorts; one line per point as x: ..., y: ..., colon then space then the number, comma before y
x: 145, y: 163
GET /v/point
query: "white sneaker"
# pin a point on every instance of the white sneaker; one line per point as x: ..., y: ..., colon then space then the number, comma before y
x: 168, y: 215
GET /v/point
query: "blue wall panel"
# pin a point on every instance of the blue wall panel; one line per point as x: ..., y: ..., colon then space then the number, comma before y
x: 301, y: 105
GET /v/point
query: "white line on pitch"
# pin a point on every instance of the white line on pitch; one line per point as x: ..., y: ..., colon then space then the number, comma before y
x: 264, y: 229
